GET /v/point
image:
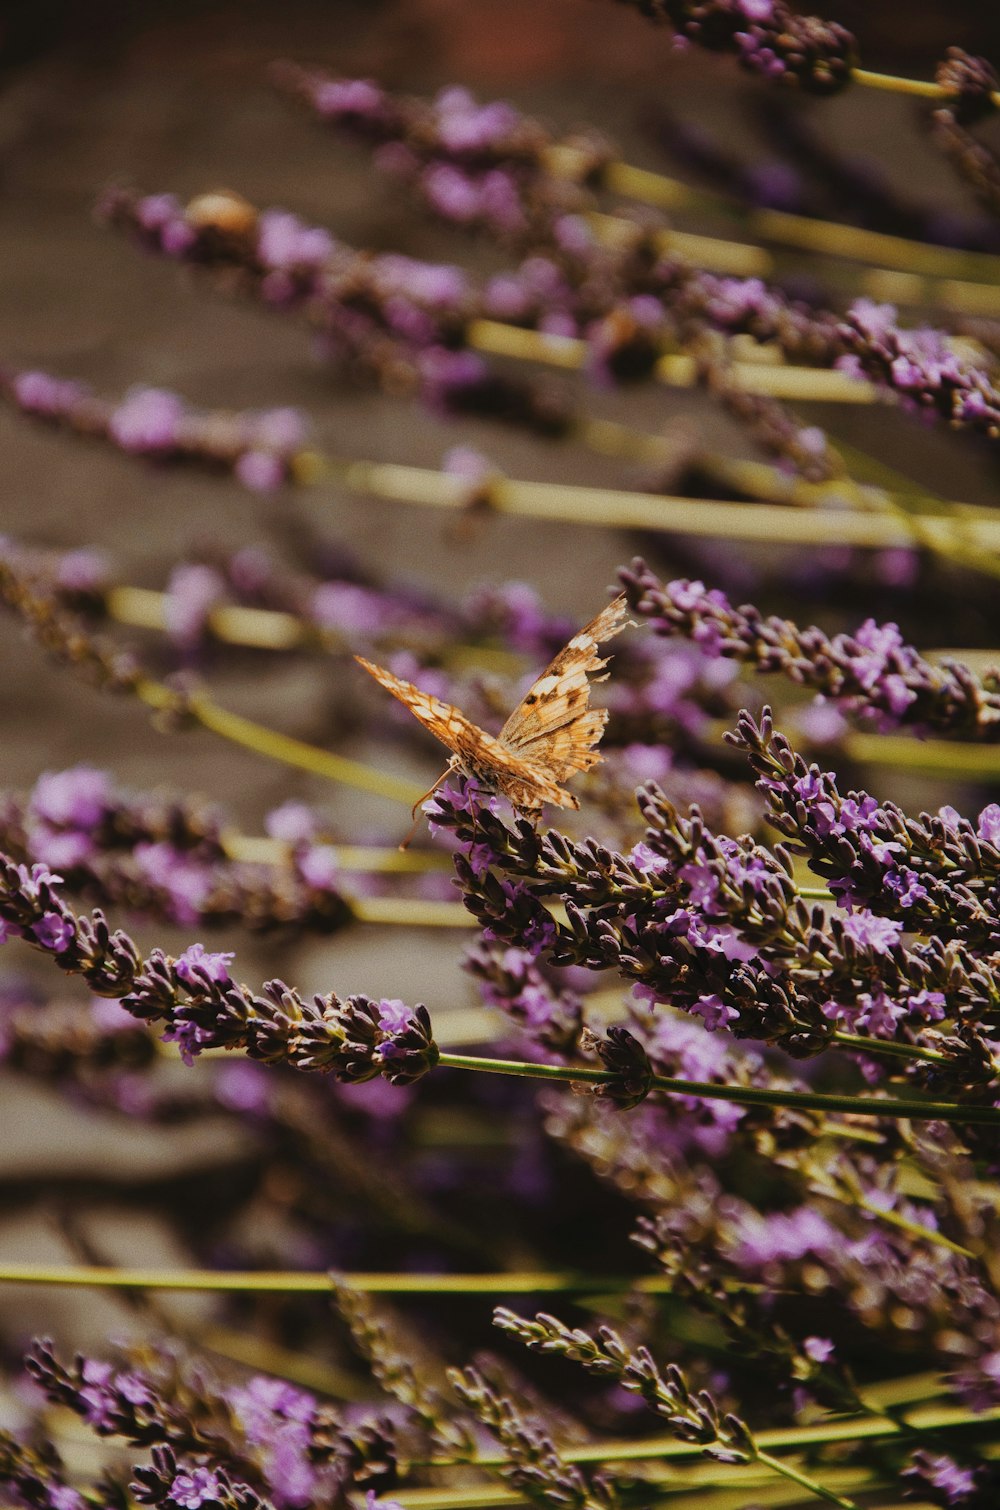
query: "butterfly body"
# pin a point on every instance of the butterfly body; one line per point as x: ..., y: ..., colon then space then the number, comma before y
x: 551, y: 734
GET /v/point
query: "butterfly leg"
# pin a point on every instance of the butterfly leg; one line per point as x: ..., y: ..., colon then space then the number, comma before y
x: 415, y: 813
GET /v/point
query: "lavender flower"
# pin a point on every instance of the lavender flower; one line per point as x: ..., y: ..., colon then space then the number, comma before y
x: 243, y: 1446
x: 259, y: 447
x: 940, y: 1479
x: 766, y: 36
x: 37, y: 1477
x: 164, y: 857
x: 201, y: 1004
x: 694, y: 1417
x: 873, y: 672
x: 536, y: 1467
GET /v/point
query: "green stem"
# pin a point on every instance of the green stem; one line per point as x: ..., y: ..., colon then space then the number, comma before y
x: 886, y: 1046
x: 788, y: 1472
x: 268, y: 742
x: 780, y: 1439
x: 915, y: 1229
x: 924, y: 89
x: 860, y: 1106
x: 310, y: 1283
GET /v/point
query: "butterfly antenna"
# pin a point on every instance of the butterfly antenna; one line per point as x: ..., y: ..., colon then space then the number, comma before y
x: 415, y: 812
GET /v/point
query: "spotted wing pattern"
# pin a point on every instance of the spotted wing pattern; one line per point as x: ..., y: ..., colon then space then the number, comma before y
x: 554, y: 723
x: 550, y: 735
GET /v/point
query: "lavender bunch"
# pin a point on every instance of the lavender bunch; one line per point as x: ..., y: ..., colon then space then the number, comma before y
x: 484, y: 166
x: 766, y: 36
x: 630, y: 301
x: 153, y: 423
x: 400, y: 318
x: 242, y: 1446
x: 201, y: 1003
x: 971, y: 85
x: 785, y: 1094
x: 873, y: 672
x: 167, y: 857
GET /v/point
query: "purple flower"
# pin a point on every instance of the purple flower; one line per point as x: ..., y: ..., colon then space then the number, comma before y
x: 284, y: 242
x: 879, y: 1014
x: 62, y: 849
x: 871, y: 932
x: 283, y: 429
x: 780, y: 1237
x: 84, y: 570
x: 352, y: 609
x: 62, y: 1497
x: 292, y: 1477
x: 148, y: 421
x: 394, y: 1016
x: 467, y: 463
x: 197, y: 961
x: 350, y: 97
x: 645, y: 762
x: 189, y: 1491
x: 31, y: 880
x: 930, y: 1005
x: 957, y: 1484
x: 75, y: 798
x: 39, y: 393
x: 54, y: 932
x: 904, y: 883
x: 714, y: 1012
x: 261, y: 471
x: 185, y: 881
x: 133, y: 1389
x: 97, y: 1395
x: 644, y: 858
x: 193, y: 591
x: 319, y: 866
x: 292, y: 823
x: 244, y: 1087
x: 819, y: 1349
x: 189, y: 1037
x: 989, y: 824
x: 703, y: 886
x: 875, y: 321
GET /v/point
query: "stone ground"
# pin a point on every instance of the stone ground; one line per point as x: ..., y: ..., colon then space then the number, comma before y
x: 178, y: 99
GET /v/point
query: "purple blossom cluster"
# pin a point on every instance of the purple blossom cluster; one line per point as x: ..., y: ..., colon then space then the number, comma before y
x: 242, y: 1447
x: 477, y: 165
x: 156, y: 424
x: 766, y: 36
x: 873, y: 672
x: 714, y: 926
x: 770, y: 1103
x: 356, y: 1040
x: 932, y: 874
x: 167, y: 858
x: 630, y: 305
x: 510, y: 979
x: 203, y: 1006
x: 395, y: 316
x: 921, y: 366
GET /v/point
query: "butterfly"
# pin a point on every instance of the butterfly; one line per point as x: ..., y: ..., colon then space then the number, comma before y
x: 551, y: 734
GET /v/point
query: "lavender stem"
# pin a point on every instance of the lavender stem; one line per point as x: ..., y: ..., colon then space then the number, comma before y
x: 861, y: 1106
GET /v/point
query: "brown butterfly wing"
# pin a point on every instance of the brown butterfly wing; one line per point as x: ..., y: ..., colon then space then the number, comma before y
x: 554, y: 727
x: 498, y: 767
x: 445, y: 722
